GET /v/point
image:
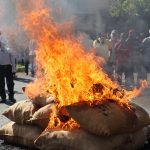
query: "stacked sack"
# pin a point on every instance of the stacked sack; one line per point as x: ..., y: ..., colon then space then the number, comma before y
x: 106, y: 125
x: 28, y: 121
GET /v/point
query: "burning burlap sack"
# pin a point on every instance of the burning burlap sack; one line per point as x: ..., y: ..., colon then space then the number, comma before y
x: 21, y: 111
x: 109, y: 117
x: 40, y: 100
x: 20, y: 134
x: 42, y: 116
x: 82, y: 140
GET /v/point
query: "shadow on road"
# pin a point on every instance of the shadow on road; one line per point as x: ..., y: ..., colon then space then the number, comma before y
x: 16, y: 92
x: 23, y: 80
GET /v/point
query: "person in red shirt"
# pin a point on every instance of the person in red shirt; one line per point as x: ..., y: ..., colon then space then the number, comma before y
x: 121, y: 58
x: 131, y: 48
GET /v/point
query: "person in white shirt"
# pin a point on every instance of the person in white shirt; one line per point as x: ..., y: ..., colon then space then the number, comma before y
x: 7, y: 68
x: 101, y: 47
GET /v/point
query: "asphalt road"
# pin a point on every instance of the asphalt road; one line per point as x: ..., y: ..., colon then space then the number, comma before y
x: 22, y: 80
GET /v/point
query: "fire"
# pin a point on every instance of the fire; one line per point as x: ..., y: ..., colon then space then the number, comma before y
x: 63, y: 68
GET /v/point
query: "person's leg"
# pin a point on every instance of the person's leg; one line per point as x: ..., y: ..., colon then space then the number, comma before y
x: 147, y: 68
x: 26, y: 68
x: 32, y: 67
x: 119, y: 73
x: 129, y: 78
x: 10, y: 83
x: 2, y: 84
x: 108, y: 69
x: 142, y: 74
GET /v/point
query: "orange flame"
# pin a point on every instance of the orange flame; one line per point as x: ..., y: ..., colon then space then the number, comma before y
x: 63, y: 68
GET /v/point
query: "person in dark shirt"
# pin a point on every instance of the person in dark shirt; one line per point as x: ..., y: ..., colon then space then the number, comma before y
x: 131, y: 47
x: 146, y: 56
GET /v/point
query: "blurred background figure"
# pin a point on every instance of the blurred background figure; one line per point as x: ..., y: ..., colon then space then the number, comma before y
x: 121, y: 58
x: 26, y: 61
x: 131, y: 44
x: 138, y: 60
x: 101, y: 46
x: 112, y: 53
x: 7, y: 69
x: 96, y: 42
x: 146, y: 56
x: 32, y: 48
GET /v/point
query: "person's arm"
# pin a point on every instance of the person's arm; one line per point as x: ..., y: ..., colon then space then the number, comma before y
x: 109, y: 48
x: 12, y: 60
x: 117, y: 46
x: 143, y: 46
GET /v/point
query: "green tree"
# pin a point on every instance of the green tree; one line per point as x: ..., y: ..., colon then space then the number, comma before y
x: 131, y: 13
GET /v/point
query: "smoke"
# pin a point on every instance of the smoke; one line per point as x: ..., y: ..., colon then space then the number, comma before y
x: 86, y: 16
x: 14, y: 34
x: 85, y: 13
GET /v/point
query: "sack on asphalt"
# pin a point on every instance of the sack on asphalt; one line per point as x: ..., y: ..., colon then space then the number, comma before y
x: 42, y: 116
x: 39, y: 100
x: 109, y: 117
x: 21, y: 111
x: 82, y: 140
x: 20, y: 134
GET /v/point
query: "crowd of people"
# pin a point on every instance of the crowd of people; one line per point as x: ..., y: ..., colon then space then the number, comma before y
x: 124, y: 55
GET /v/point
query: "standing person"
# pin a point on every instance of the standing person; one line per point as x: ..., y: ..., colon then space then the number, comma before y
x: 131, y: 47
x: 146, y: 56
x: 32, y: 48
x: 26, y: 61
x: 101, y: 49
x: 139, y: 67
x: 7, y: 68
x: 112, y: 52
x: 121, y: 58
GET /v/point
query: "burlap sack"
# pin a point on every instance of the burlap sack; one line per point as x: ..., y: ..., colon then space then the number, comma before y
x: 20, y: 134
x: 42, y: 116
x: 21, y: 111
x: 39, y: 100
x: 82, y: 140
x: 109, y: 118
x: 42, y: 101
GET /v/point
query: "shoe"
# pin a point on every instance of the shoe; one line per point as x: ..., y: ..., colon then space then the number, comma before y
x: 13, y: 100
x: 3, y: 101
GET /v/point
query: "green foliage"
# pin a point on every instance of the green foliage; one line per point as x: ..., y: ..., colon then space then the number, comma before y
x: 130, y: 7
x: 20, y: 68
x: 130, y: 14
